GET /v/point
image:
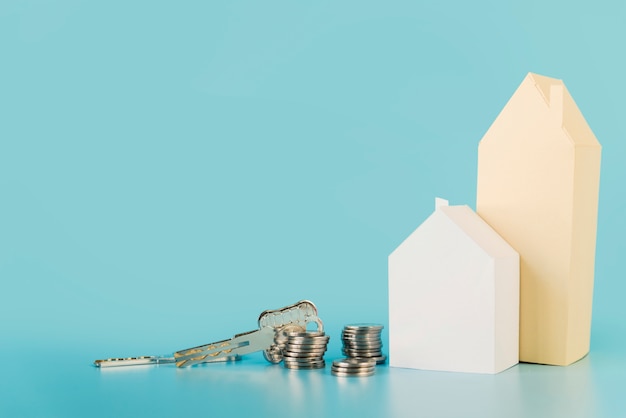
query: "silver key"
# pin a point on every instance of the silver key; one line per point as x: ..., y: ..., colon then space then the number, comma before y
x: 272, y: 325
x: 133, y: 361
x: 148, y: 360
x: 268, y: 338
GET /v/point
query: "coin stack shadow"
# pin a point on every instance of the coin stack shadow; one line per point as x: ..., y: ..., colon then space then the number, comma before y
x: 305, y: 350
x: 363, y: 341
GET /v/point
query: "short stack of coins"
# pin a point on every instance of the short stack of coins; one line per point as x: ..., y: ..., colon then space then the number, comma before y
x: 353, y: 367
x: 305, y: 350
x: 363, y: 341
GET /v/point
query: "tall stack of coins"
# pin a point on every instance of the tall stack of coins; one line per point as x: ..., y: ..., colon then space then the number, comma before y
x: 357, y: 367
x: 305, y: 350
x: 363, y: 341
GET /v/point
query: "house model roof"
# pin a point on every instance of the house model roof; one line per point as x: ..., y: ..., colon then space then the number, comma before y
x: 539, y: 98
x: 472, y: 225
x: 477, y: 229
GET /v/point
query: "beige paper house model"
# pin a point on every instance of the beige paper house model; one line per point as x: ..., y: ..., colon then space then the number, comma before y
x: 538, y: 181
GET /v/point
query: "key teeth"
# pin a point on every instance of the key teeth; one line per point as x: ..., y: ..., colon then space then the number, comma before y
x: 299, y: 312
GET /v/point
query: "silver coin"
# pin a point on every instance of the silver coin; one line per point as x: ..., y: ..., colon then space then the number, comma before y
x: 305, y: 346
x: 302, y: 355
x: 360, y: 374
x: 366, y: 345
x: 364, y: 325
x: 362, y: 342
x: 361, y: 334
x: 353, y: 351
x: 305, y: 354
x: 362, y: 331
x: 354, y: 368
x: 361, y: 348
x: 362, y: 337
x: 362, y: 345
x: 379, y: 359
x: 363, y: 357
x: 306, y: 334
x: 305, y: 351
x: 355, y: 362
x: 359, y: 337
x: 364, y: 352
x: 304, y: 366
x: 367, y: 339
x: 348, y: 336
x: 353, y: 372
x: 363, y: 364
x: 351, y: 362
x: 304, y: 361
x: 313, y: 356
x: 302, y: 340
x: 351, y: 375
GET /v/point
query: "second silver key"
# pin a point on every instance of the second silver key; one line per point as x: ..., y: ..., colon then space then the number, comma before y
x: 294, y: 317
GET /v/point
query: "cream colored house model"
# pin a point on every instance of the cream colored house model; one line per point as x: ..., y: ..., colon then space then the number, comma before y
x: 538, y: 180
x: 454, y: 296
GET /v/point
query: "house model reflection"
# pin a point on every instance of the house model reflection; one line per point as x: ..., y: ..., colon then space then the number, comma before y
x: 538, y: 181
x: 454, y: 296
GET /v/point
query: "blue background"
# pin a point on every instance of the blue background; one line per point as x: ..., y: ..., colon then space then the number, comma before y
x: 168, y: 170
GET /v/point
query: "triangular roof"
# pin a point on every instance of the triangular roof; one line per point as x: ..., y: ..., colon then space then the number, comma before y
x: 558, y: 105
x: 471, y: 225
x: 478, y: 230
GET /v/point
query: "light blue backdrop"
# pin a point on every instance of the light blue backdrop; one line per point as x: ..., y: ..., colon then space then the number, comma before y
x: 168, y: 170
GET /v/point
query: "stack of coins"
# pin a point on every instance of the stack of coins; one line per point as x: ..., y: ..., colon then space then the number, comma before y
x: 305, y: 350
x: 363, y: 341
x: 357, y: 367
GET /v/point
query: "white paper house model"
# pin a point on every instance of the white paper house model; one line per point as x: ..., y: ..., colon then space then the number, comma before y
x: 454, y: 296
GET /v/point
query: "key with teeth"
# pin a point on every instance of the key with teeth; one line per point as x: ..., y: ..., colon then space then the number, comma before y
x: 150, y: 360
x: 267, y: 338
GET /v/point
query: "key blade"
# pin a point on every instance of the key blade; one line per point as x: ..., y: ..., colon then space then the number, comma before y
x: 133, y: 361
x: 245, y: 343
x: 151, y: 360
